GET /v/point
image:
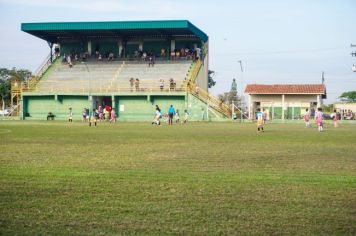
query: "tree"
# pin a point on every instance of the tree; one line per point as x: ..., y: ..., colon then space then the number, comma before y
x: 211, y: 75
x: 348, y: 96
x: 6, y: 76
x: 231, y: 96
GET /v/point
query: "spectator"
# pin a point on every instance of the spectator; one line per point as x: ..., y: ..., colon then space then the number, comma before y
x: 111, y: 56
x: 197, y: 90
x: 137, y: 84
x: 69, y: 61
x: 50, y: 116
x: 161, y: 86
x: 198, y: 50
x: 163, y: 52
x: 173, y: 55
x: 132, y: 82
x: 151, y: 61
x: 177, y: 54
x: 56, y: 50
x: 144, y: 56
x: 172, y: 84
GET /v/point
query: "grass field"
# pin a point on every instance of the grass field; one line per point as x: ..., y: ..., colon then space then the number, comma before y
x: 197, y: 179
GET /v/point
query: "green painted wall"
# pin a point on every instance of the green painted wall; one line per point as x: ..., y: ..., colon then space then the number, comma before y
x: 39, y: 106
x: 130, y: 49
x: 67, y: 48
x: 165, y: 102
x: 156, y: 46
x: 198, y: 111
x: 186, y: 44
x: 139, y: 108
x: 105, y: 48
x: 77, y: 103
x: 136, y: 108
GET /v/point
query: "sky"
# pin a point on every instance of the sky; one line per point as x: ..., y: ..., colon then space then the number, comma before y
x: 277, y: 41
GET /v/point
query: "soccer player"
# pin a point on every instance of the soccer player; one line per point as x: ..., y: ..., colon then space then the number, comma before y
x: 259, y: 117
x: 306, y: 118
x: 334, y: 116
x: 186, y: 116
x: 177, y: 116
x: 319, y: 119
x: 92, y: 117
x: 70, y: 119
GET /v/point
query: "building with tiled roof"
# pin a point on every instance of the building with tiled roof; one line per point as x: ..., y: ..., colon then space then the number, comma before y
x: 285, y: 101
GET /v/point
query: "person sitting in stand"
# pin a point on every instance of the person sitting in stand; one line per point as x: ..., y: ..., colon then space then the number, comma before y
x: 50, y: 116
x: 163, y: 52
x: 144, y: 56
x: 69, y: 61
x: 151, y: 61
x: 173, y: 55
x: 111, y: 56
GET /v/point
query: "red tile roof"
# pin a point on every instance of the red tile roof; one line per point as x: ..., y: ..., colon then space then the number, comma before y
x: 285, y: 89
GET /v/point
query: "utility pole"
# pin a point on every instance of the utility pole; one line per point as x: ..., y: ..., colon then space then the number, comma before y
x: 353, y: 54
x: 322, y: 77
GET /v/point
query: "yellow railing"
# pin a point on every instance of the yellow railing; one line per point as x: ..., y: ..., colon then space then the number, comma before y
x: 31, y: 83
x: 83, y: 86
x: 193, y: 73
x: 211, y: 100
x: 16, y: 90
x: 204, y: 95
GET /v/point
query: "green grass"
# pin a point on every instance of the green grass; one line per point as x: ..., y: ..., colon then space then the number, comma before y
x: 195, y: 179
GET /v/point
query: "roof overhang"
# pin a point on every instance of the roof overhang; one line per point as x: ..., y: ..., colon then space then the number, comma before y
x: 286, y: 89
x: 59, y: 31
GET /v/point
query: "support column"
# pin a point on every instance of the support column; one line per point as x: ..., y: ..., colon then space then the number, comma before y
x: 249, y: 107
x: 318, y: 101
x: 50, y: 50
x: 272, y: 110
x: 140, y: 45
x: 283, y: 106
x: 119, y: 43
x: 113, y: 102
x: 173, y: 45
x: 22, y: 112
x: 89, y: 47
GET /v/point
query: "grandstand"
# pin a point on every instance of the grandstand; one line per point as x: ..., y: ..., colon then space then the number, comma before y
x: 130, y: 66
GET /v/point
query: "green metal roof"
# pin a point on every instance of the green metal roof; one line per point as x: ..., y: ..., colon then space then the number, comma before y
x: 54, y: 31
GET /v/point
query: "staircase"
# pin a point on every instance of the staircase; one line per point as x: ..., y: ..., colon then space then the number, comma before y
x: 212, y: 101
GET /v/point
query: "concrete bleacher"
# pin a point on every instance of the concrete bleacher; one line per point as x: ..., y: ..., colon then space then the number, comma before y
x: 113, y: 76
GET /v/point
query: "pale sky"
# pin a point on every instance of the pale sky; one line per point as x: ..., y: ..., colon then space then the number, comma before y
x: 278, y: 41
